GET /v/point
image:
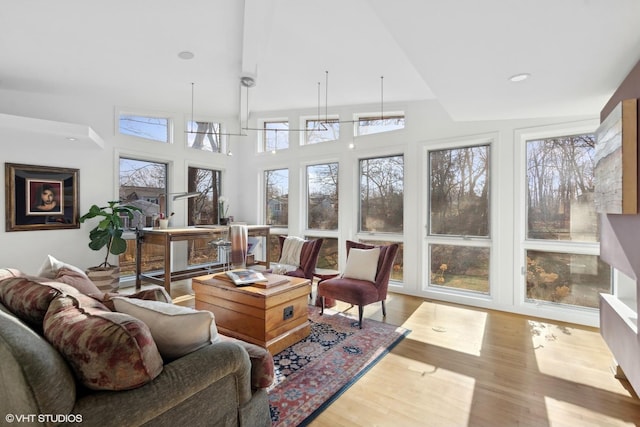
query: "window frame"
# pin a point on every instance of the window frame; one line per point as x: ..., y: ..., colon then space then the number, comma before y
x: 150, y: 115
x: 359, y: 117
x: 571, y: 313
x: 263, y: 138
x: 304, y: 120
x: 450, y: 293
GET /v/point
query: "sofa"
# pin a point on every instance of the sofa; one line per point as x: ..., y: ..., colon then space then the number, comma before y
x: 67, y: 358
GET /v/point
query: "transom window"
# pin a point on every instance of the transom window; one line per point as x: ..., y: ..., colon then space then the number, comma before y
x: 205, y: 136
x: 321, y: 130
x: 370, y: 124
x: 146, y: 127
x: 275, y: 135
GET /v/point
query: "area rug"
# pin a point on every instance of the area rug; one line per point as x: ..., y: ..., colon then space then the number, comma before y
x: 314, y: 372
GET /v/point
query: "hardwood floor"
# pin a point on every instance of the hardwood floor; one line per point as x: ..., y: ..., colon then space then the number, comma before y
x: 462, y: 366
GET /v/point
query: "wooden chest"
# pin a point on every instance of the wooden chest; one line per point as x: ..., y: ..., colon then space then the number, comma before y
x: 273, y: 317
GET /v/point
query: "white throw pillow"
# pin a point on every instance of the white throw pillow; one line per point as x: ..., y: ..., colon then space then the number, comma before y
x: 362, y: 264
x: 176, y: 330
x: 51, y: 266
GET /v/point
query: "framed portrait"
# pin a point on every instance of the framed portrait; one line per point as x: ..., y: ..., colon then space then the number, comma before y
x: 40, y: 197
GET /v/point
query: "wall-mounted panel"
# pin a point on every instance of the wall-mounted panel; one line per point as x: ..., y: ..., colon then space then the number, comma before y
x: 616, y: 161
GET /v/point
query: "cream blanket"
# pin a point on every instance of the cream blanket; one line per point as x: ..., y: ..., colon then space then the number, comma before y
x: 291, y: 249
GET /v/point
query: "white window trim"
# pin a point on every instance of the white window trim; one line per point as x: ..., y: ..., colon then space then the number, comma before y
x: 450, y: 294
x: 573, y: 314
x: 261, y: 142
x: 145, y: 113
x: 303, y: 125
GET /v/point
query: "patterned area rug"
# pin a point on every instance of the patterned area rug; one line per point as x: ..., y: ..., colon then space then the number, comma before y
x: 315, y: 371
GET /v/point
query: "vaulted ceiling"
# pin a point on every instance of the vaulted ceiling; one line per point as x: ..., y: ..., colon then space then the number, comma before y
x: 459, y: 52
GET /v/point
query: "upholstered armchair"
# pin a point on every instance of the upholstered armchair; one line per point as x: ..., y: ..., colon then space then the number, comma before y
x: 364, y: 280
x: 308, y: 257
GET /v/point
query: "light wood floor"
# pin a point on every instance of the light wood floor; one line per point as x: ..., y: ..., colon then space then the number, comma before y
x: 463, y: 366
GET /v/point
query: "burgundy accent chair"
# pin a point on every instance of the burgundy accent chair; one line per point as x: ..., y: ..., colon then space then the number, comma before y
x: 361, y: 292
x: 308, y: 257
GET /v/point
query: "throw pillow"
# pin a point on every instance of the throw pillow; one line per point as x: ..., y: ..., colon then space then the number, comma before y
x: 6, y: 273
x: 177, y: 330
x: 51, y: 266
x: 106, y: 350
x: 29, y: 299
x: 78, y: 280
x: 362, y: 264
x: 152, y: 293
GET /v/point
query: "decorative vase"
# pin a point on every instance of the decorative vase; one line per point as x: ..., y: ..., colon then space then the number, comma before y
x: 107, y: 279
x: 224, y: 221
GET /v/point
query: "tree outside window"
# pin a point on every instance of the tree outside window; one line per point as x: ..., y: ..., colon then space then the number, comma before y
x: 322, y: 196
x: 560, y: 208
x: 205, y: 136
x: 276, y: 192
x: 459, y: 209
x: 382, y: 194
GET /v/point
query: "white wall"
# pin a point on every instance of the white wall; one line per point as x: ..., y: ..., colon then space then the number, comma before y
x: 426, y: 124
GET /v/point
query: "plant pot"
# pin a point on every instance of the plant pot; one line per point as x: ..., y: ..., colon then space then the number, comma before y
x: 224, y: 221
x: 107, y: 279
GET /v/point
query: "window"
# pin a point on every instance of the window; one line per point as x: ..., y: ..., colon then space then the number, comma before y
x: 398, y: 264
x: 459, y: 191
x: 143, y: 184
x: 151, y: 128
x: 561, y: 228
x: 322, y: 196
x: 202, y: 209
x: 321, y: 131
x: 381, y: 194
x: 276, y: 184
x: 328, y: 256
x: 205, y: 136
x: 367, y: 125
x: 560, y: 189
x: 275, y: 135
x: 459, y: 211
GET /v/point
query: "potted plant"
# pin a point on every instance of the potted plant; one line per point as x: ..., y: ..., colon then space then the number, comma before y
x: 108, y: 233
x: 223, y: 211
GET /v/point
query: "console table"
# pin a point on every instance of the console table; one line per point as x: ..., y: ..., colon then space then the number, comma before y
x: 165, y: 237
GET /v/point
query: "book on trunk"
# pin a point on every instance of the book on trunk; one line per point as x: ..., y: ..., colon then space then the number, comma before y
x: 246, y: 277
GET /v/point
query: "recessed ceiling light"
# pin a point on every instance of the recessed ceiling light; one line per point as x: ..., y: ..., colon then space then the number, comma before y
x: 519, y: 77
x: 185, y: 54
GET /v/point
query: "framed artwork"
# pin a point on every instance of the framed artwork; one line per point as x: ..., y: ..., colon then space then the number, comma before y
x: 40, y: 197
x: 616, y: 161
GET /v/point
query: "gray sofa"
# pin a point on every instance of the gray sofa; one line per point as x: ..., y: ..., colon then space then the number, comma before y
x: 209, y: 387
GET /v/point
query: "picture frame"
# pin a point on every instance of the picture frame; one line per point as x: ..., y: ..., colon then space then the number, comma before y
x: 40, y: 197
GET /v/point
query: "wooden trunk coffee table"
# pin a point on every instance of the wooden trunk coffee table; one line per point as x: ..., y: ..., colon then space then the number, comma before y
x: 272, y: 315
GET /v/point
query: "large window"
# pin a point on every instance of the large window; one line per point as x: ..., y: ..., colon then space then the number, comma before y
x: 146, y: 127
x: 459, y: 212
x: 202, y: 209
x: 561, y: 249
x: 381, y: 194
x: 367, y: 125
x: 382, y: 205
x: 321, y: 130
x: 205, y: 136
x: 322, y: 196
x: 143, y: 184
x: 276, y: 190
x: 275, y: 135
